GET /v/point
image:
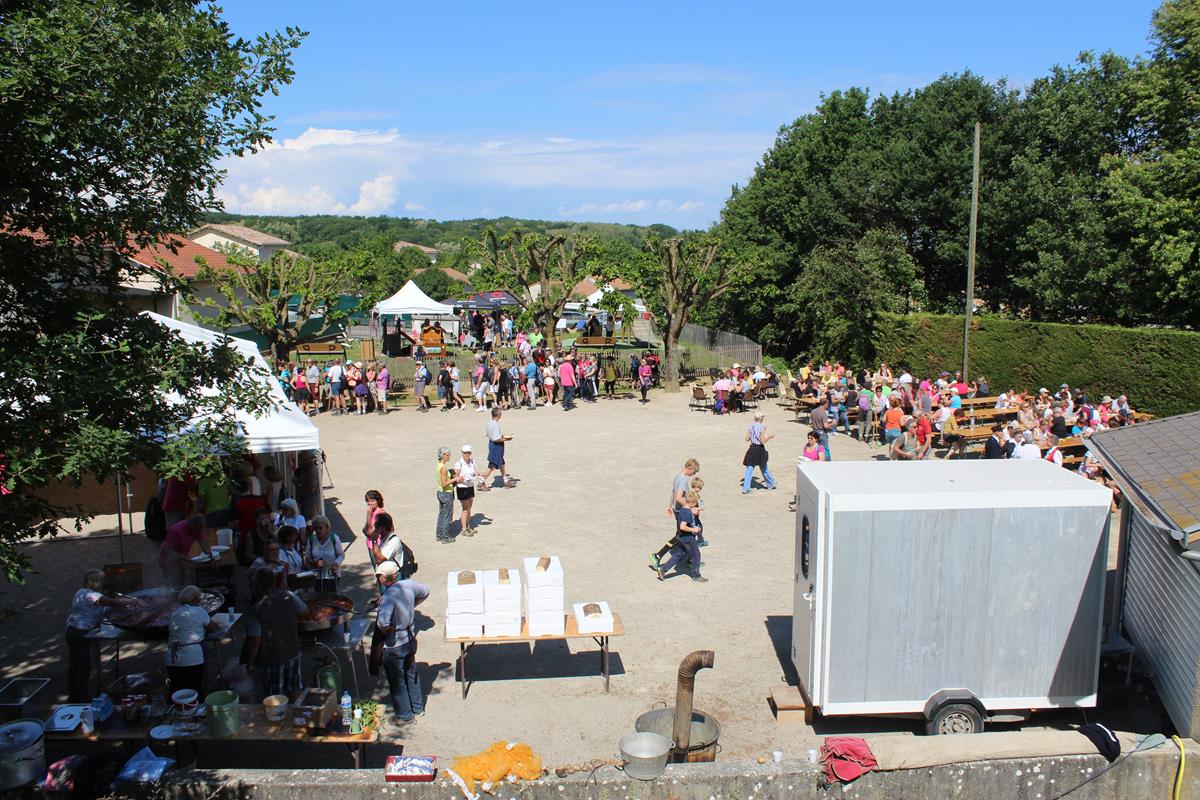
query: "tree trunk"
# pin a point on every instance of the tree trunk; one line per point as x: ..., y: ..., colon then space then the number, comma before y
x: 282, y: 348
x: 670, y: 373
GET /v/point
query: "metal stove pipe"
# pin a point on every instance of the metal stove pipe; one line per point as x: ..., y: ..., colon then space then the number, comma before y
x: 692, y: 663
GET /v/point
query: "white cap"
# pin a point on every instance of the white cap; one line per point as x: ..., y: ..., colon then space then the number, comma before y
x: 466, y: 448
x: 387, y: 568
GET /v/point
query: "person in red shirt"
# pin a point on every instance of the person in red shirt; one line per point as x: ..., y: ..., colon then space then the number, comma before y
x: 174, y: 551
x: 179, y: 498
x: 924, y: 431
x: 566, y: 378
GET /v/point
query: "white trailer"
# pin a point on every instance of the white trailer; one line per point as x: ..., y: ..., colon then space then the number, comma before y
x: 954, y: 590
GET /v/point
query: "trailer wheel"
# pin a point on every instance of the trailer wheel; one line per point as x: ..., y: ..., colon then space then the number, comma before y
x: 955, y: 718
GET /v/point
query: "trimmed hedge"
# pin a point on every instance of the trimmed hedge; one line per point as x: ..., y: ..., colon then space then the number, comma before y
x: 1159, y: 370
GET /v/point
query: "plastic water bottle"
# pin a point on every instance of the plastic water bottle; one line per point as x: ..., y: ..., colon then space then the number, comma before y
x: 347, y: 710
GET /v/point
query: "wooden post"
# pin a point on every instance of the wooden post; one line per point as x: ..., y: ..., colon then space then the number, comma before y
x: 971, y: 254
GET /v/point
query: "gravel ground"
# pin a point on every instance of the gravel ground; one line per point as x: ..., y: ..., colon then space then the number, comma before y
x: 592, y: 488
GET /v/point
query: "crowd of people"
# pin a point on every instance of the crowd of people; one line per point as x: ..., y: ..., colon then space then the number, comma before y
x: 530, y: 377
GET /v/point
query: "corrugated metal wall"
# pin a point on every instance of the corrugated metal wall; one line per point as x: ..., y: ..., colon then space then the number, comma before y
x: 1162, y: 616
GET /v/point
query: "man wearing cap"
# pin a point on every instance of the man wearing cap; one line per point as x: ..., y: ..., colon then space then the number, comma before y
x: 496, y: 441
x: 395, y: 622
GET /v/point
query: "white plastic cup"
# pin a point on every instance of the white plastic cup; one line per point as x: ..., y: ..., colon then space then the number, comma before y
x: 225, y: 537
x: 777, y: 756
x: 812, y: 756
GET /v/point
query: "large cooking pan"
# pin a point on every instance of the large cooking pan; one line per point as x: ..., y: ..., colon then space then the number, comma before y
x: 325, y: 610
x: 151, y: 615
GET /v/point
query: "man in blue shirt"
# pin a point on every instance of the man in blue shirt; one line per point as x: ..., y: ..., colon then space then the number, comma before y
x: 395, y: 621
x: 533, y: 382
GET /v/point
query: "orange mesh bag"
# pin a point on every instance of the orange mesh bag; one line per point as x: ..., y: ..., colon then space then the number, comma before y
x: 493, y: 765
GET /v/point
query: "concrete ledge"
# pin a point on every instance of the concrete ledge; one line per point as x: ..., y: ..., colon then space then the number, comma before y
x: 1144, y: 775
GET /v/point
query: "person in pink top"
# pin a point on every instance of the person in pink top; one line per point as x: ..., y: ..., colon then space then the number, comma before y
x: 645, y: 377
x: 173, y: 552
x: 566, y: 378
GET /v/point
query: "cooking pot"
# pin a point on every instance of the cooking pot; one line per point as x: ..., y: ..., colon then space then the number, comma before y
x: 22, y: 753
x: 644, y: 754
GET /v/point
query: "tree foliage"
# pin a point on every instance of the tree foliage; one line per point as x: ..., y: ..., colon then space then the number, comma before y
x: 437, y: 284
x: 675, y: 277
x: 113, y: 120
x: 1089, y: 205
x: 541, y: 271
x: 276, y: 298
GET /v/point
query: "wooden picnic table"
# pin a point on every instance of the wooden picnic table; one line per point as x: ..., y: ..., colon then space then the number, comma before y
x: 253, y: 726
x: 570, y: 631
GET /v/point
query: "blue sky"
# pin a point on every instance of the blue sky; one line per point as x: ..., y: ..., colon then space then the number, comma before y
x: 614, y: 112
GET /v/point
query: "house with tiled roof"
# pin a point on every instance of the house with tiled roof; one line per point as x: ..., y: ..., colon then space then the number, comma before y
x: 183, y: 259
x: 1156, y: 465
x: 222, y: 236
x: 430, y: 252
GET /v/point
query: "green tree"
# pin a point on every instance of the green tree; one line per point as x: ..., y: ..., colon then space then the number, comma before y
x: 114, y: 118
x: 539, y: 270
x: 266, y: 295
x: 1155, y: 190
x: 679, y: 276
x: 845, y: 286
x: 437, y: 284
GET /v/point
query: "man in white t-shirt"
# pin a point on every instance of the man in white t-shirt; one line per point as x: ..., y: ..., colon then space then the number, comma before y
x: 337, y: 382
x: 1027, y: 450
x: 495, y: 458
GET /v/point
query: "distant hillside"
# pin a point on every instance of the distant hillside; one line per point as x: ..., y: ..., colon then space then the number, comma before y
x: 329, y: 233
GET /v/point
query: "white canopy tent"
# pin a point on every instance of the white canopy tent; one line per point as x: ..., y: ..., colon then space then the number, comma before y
x: 287, y: 428
x: 411, y: 301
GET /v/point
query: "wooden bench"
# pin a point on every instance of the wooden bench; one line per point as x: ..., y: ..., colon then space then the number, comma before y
x: 327, y: 349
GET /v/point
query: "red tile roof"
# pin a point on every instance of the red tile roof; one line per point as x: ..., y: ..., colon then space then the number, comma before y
x: 242, y: 232
x: 450, y: 273
x: 429, y: 251
x: 183, y: 261
x: 585, y: 288
x: 620, y: 285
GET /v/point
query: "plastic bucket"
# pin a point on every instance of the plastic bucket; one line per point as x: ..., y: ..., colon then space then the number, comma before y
x: 222, y: 713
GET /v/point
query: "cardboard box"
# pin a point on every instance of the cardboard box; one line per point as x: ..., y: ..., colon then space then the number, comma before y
x: 553, y: 576
x: 502, y: 597
x: 503, y: 629
x: 464, y: 591
x: 586, y: 624
x: 548, y: 626
x: 464, y: 631
x: 470, y: 606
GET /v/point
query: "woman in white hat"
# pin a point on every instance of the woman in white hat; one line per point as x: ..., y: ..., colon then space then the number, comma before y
x: 289, y: 514
x: 465, y: 475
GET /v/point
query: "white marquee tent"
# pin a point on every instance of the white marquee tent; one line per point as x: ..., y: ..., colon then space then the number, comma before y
x: 287, y: 428
x: 411, y: 301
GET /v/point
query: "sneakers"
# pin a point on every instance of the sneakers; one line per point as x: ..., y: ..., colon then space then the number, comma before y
x: 447, y: 540
x: 656, y: 565
x: 702, y: 544
x: 510, y: 483
x: 468, y: 532
x: 401, y: 722
x: 698, y: 578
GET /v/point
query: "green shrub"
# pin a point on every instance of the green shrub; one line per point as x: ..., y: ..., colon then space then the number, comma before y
x: 1157, y: 369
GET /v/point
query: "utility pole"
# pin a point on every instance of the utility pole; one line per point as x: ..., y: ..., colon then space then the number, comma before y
x: 971, y: 253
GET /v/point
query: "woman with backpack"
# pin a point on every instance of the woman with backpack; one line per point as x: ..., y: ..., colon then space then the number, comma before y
x: 420, y: 378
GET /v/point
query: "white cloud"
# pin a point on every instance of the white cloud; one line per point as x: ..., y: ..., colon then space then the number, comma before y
x: 343, y: 171
x: 375, y: 196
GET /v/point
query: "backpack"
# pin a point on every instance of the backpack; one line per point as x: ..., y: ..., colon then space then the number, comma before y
x: 864, y: 402
x: 156, y: 520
